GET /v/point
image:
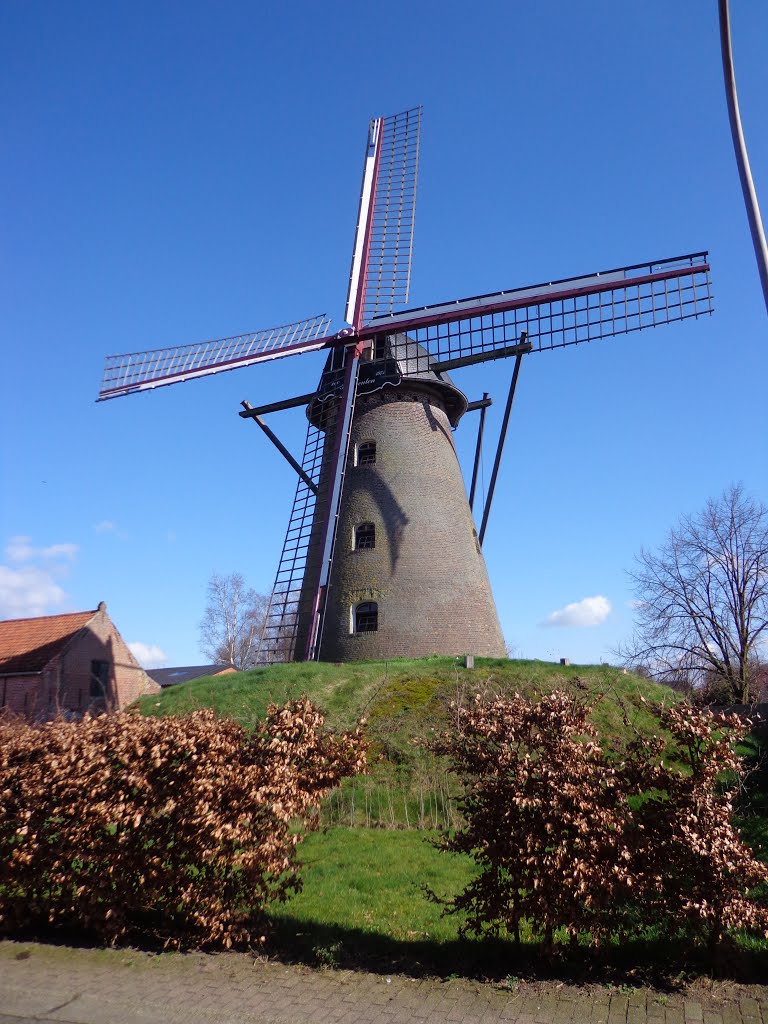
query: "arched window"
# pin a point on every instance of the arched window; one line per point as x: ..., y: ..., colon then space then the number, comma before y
x: 365, y: 617
x: 365, y: 537
x: 366, y: 453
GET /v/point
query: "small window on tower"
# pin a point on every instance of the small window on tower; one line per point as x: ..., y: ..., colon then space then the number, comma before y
x: 366, y: 453
x: 365, y: 537
x: 366, y: 617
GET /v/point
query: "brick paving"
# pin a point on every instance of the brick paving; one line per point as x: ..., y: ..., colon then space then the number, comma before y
x: 46, y: 984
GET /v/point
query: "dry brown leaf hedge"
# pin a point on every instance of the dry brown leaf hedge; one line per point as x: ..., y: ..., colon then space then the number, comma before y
x: 183, y: 829
x: 576, y: 839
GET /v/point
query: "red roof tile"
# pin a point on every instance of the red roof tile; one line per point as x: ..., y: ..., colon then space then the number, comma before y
x: 27, y: 645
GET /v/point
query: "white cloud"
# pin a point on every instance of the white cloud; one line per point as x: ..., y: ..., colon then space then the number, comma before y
x: 20, y: 549
x: 29, y: 585
x: 109, y: 526
x: 28, y: 591
x: 148, y: 655
x: 590, y: 611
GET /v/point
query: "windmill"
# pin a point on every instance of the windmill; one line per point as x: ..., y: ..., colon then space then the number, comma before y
x: 381, y: 556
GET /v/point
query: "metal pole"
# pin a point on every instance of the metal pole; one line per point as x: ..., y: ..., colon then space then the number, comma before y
x: 502, y: 435
x: 481, y: 403
x: 481, y: 357
x: 288, y: 403
x: 740, y: 149
x: 478, y: 449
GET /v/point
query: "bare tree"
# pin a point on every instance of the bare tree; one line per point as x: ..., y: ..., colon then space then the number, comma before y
x: 702, y: 608
x: 232, y: 623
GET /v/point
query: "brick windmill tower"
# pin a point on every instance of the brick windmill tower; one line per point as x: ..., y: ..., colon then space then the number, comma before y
x: 382, y: 557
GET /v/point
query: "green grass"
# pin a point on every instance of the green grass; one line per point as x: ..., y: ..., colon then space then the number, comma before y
x: 378, y: 878
x: 400, y: 698
x: 363, y: 905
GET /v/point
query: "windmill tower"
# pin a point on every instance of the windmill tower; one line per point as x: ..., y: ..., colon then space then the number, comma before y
x: 408, y: 575
x: 382, y: 557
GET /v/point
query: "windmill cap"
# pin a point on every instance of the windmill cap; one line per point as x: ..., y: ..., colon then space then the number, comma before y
x: 415, y: 363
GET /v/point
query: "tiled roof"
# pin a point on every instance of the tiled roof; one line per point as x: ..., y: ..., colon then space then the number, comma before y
x: 27, y: 645
x: 170, y: 676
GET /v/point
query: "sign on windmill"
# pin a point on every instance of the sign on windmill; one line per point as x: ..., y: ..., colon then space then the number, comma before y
x: 382, y: 557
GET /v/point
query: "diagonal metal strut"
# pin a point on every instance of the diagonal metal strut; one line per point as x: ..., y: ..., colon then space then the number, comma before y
x: 482, y: 405
x: 252, y: 413
x: 500, y: 446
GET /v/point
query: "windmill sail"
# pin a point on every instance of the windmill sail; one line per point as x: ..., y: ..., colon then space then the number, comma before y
x: 381, y: 260
x: 293, y: 624
x: 279, y: 634
x: 560, y: 313
x: 141, y: 371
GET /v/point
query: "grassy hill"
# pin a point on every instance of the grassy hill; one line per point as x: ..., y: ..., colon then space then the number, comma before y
x: 404, y: 702
x: 384, y: 690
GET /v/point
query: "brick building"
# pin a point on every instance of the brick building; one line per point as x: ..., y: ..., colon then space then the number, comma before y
x: 67, y: 664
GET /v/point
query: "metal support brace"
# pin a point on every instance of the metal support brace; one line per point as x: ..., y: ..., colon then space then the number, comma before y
x: 500, y: 446
x: 288, y: 403
x: 251, y: 413
x: 483, y: 357
x: 740, y: 149
x: 482, y: 405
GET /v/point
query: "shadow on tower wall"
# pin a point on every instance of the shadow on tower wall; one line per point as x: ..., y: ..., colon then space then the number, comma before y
x: 393, y: 518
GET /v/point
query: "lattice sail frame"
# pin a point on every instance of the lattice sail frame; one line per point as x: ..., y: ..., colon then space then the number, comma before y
x: 380, y: 274
x: 293, y: 623
x: 388, y: 276
x: 142, y: 371
x: 557, y: 314
x: 288, y: 597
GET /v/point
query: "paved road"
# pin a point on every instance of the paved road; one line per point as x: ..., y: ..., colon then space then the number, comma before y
x: 80, y: 986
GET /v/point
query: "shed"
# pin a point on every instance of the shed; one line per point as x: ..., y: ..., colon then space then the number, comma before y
x: 171, y: 676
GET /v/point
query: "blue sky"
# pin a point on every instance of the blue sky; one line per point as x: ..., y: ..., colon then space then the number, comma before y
x: 181, y: 171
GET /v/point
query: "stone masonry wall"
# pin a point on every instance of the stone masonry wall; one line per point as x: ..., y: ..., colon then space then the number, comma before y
x: 426, y: 572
